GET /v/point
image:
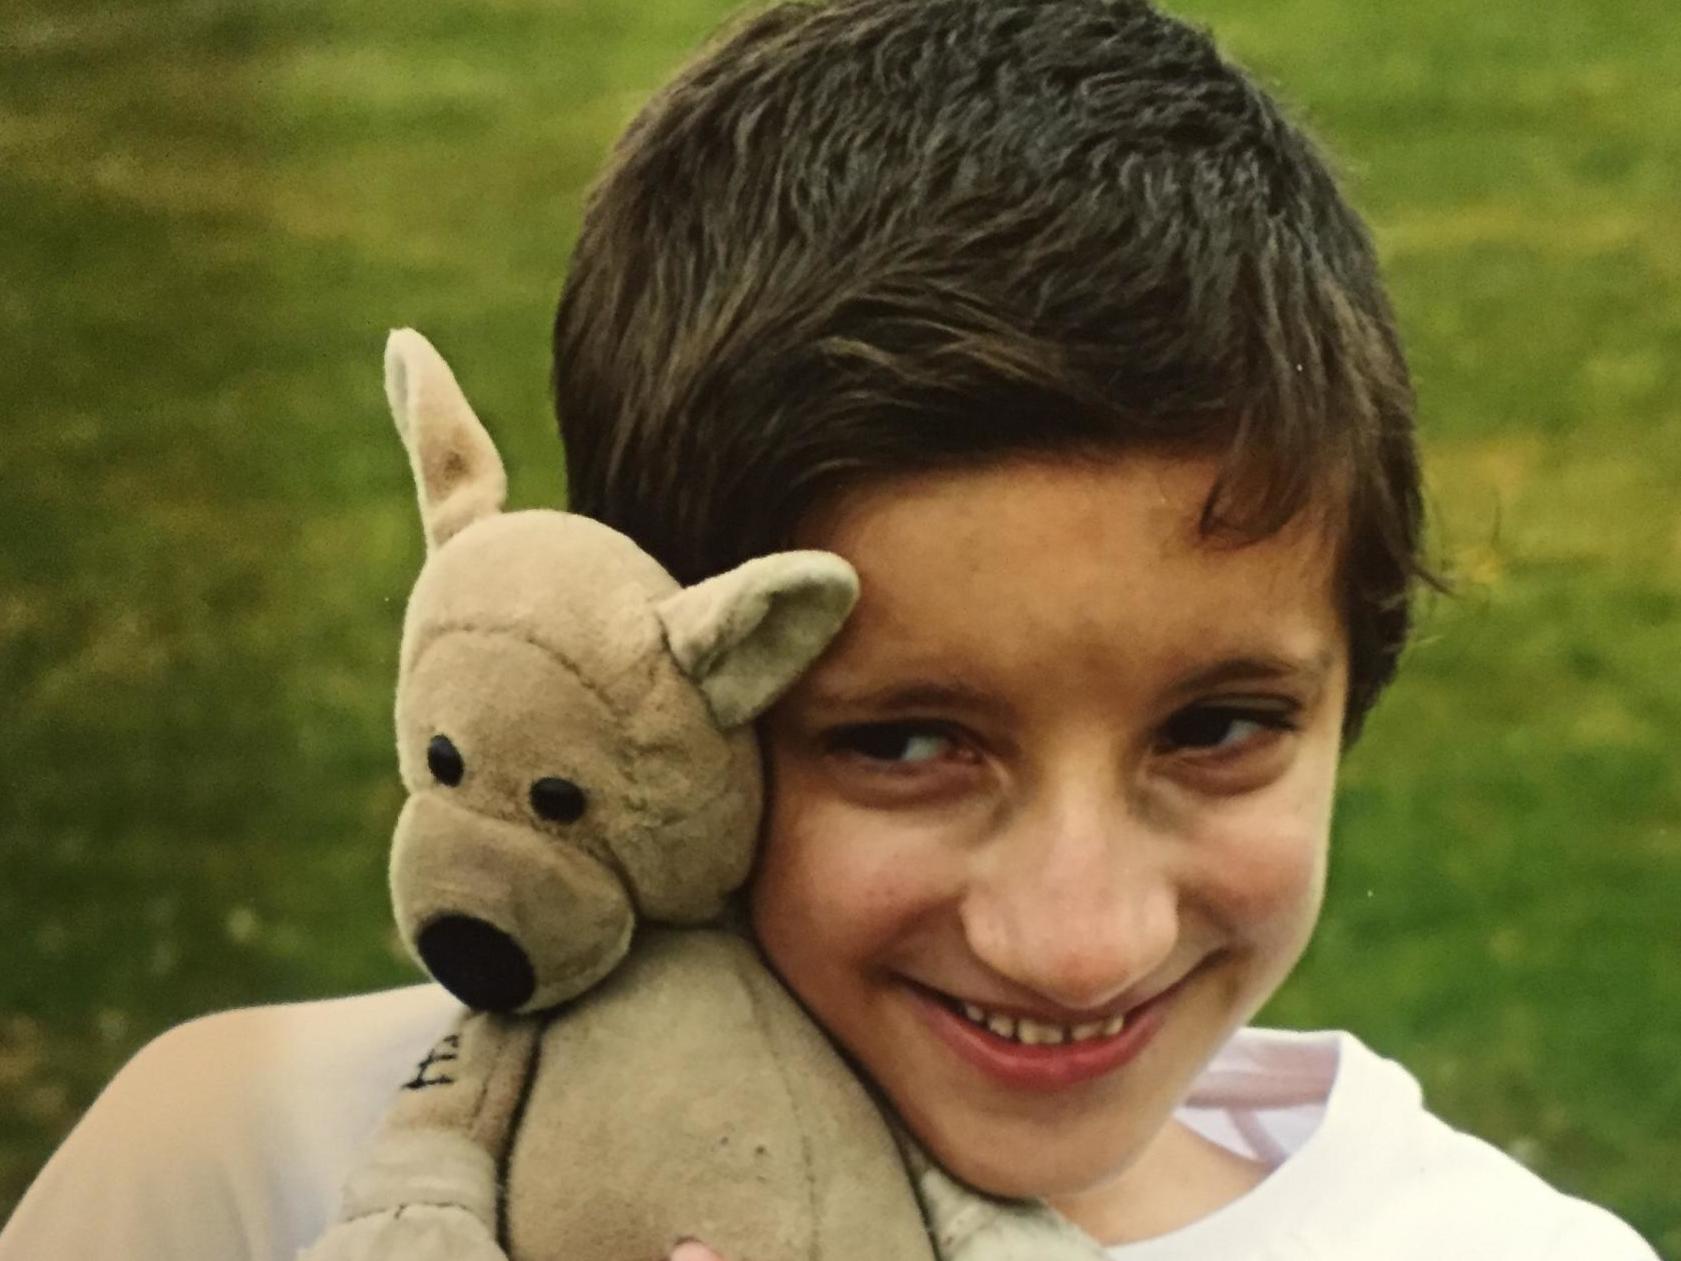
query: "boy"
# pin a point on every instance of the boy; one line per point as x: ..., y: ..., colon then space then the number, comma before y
x: 1046, y: 319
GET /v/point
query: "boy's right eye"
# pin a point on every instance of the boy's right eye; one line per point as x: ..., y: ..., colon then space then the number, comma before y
x: 893, y: 743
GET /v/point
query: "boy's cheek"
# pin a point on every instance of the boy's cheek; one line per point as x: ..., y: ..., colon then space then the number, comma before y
x: 823, y: 847
x: 1264, y: 856
x: 1264, y: 883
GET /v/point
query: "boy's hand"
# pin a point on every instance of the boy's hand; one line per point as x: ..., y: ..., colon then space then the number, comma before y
x: 693, y: 1250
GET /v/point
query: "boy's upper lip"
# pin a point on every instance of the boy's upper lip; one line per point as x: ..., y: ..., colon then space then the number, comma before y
x: 1055, y: 1013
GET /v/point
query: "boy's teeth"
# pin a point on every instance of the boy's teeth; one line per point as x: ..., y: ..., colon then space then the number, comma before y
x: 1035, y: 1034
x: 1031, y: 1032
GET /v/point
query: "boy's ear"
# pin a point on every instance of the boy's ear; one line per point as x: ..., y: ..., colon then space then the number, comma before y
x: 457, y: 473
x: 746, y: 635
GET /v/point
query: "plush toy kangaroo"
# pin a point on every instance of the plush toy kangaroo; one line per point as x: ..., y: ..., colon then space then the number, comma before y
x: 574, y: 730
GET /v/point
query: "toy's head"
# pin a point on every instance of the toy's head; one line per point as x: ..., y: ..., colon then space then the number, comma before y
x: 574, y: 729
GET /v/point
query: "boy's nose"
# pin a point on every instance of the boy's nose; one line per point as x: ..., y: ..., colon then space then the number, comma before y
x: 1076, y: 912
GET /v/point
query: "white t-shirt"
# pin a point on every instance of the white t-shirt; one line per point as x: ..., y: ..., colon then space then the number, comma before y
x: 229, y: 1138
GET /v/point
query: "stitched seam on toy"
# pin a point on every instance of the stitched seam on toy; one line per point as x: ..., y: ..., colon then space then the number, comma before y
x: 437, y: 630
x: 911, y: 1160
x: 533, y: 1064
x: 723, y: 786
x: 403, y: 1208
x: 955, y: 1227
x: 623, y: 759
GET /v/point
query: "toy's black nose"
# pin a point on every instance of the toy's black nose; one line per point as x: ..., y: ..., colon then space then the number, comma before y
x: 478, y: 963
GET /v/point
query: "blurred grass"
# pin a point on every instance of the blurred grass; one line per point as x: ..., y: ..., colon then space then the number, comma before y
x: 213, y: 210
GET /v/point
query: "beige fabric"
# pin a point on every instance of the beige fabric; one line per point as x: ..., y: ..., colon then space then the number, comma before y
x: 438, y: 1168
x: 969, y: 1226
x: 732, y: 1120
x: 456, y: 469
x: 415, y: 1232
x: 746, y: 635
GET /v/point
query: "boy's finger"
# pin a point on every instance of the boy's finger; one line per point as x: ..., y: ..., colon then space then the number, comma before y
x: 694, y: 1250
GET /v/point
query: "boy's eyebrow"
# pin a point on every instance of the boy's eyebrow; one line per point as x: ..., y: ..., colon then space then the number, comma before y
x: 913, y: 694
x: 1310, y: 671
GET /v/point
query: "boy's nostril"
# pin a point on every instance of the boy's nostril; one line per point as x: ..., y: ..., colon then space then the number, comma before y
x: 444, y: 760
x: 558, y: 799
x: 478, y: 963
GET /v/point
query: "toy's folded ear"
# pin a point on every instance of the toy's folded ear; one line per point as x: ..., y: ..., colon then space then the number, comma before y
x: 746, y: 635
x: 457, y: 472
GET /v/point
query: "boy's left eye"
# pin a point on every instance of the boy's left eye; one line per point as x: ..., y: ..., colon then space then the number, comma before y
x: 1214, y: 728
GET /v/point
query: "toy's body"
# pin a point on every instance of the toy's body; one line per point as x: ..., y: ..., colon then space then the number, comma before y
x: 574, y: 730
x: 684, y: 1095
x: 767, y: 1146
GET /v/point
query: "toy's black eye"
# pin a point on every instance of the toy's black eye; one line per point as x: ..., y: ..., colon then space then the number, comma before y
x: 443, y: 759
x: 557, y: 799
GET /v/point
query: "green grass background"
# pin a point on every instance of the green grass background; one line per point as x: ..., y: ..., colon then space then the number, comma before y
x: 212, y: 210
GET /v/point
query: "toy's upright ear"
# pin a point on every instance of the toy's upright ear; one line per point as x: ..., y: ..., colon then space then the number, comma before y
x: 744, y: 636
x: 457, y: 472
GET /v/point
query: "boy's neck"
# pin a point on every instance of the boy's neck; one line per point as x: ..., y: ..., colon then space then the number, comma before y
x: 1180, y: 1178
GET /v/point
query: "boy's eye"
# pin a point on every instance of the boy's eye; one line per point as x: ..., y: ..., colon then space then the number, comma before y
x: 1220, y: 727
x: 902, y: 743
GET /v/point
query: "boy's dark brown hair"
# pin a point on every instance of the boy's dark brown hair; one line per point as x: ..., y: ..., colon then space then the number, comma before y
x: 872, y: 237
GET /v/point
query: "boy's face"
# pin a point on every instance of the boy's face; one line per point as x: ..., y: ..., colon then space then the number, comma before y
x: 1067, y: 763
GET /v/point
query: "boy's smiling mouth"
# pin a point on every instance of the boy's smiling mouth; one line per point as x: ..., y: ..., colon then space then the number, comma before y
x: 1031, y: 1032
x: 1039, y: 1051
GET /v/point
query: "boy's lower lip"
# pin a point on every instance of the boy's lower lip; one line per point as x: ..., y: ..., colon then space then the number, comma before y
x: 1043, y: 1068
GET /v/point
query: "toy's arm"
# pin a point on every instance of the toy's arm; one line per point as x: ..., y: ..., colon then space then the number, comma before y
x: 968, y: 1226
x: 428, y: 1189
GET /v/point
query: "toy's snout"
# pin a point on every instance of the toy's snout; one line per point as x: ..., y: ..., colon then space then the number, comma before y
x: 503, y: 916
